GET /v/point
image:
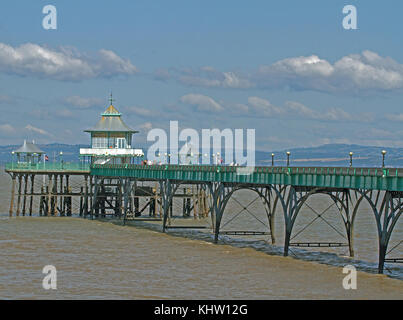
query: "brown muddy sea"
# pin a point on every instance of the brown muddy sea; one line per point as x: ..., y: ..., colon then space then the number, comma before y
x: 106, y: 260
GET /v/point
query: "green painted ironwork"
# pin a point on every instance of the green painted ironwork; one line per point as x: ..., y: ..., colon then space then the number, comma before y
x: 326, y: 177
x: 47, y: 167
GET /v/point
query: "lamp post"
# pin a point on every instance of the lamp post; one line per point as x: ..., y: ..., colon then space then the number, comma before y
x: 61, y: 158
x: 288, y: 158
x: 272, y: 159
x: 383, y: 158
x: 158, y: 158
x: 351, y: 159
x: 169, y: 158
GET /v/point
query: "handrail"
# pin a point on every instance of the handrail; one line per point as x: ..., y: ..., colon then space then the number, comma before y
x: 53, y: 166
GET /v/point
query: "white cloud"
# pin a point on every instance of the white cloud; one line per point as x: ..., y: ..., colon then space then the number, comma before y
x: 64, y: 113
x: 143, y: 112
x: 81, y: 102
x: 7, y: 129
x: 63, y: 64
x: 210, y: 78
x: 257, y: 107
x: 202, y: 102
x: 352, y: 73
x: 146, y: 126
x: 37, y: 130
x: 5, y: 99
x: 394, y: 117
x: 331, y: 114
x: 301, y: 66
x: 264, y: 107
x: 356, y: 73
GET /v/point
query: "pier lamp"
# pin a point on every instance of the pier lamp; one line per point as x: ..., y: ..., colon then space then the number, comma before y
x: 169, y: 158
x: 272, y: 159
x: 351, y: 159
x: 61, y: 158
x: 288, y: 158
x: 384, y: 152
x: 218, y: 157
x: 206, y: 155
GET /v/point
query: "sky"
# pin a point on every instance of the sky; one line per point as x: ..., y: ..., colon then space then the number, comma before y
x: 287, y: 69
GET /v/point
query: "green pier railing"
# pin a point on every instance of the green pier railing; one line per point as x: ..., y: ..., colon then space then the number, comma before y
x: 329, y: 177
x: 47, y: 167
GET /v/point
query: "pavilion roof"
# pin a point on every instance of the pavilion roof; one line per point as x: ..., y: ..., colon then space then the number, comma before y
x: 111, y: 122
x: 29, y: 147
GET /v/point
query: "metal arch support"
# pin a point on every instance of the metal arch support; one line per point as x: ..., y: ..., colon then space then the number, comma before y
x: 294, y: 205
x: 265, y: 194
x: 222, y: 193
x: 217, y: 190
x: 349, y: 222
x: 386, y: 215
x: 271, y: 206
x: 348, y: 217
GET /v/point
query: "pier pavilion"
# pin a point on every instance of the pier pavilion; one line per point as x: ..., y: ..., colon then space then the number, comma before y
x: 28, y: 154
x: 111, y: 140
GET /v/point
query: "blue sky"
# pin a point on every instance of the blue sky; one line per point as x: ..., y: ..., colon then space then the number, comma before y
x: 285, y: 68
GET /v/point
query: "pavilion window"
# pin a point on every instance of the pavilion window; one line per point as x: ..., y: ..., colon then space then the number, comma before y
x: 99, y: 142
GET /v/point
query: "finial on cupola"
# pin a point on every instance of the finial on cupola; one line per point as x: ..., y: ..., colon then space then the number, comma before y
x: 111, y: 99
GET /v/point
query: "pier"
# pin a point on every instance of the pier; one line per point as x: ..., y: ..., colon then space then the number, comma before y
x: 110, y: 181
x: 206, y: 191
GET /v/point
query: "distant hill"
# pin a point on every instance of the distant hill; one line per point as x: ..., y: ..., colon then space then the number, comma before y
x: 336, y: 155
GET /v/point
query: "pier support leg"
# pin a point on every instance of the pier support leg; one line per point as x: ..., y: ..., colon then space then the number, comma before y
x: 167, y: 190
x: 31, y: 200
x: 293, y: 206
x: 25, y: 194
x: 12, y: 195
x: 19, y: 194
x: 94, y: 197
x: 50, y: 189
x: 61, y: 208
x: 126, y: 192
x: 217, y: 191
x: 86, y: 197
